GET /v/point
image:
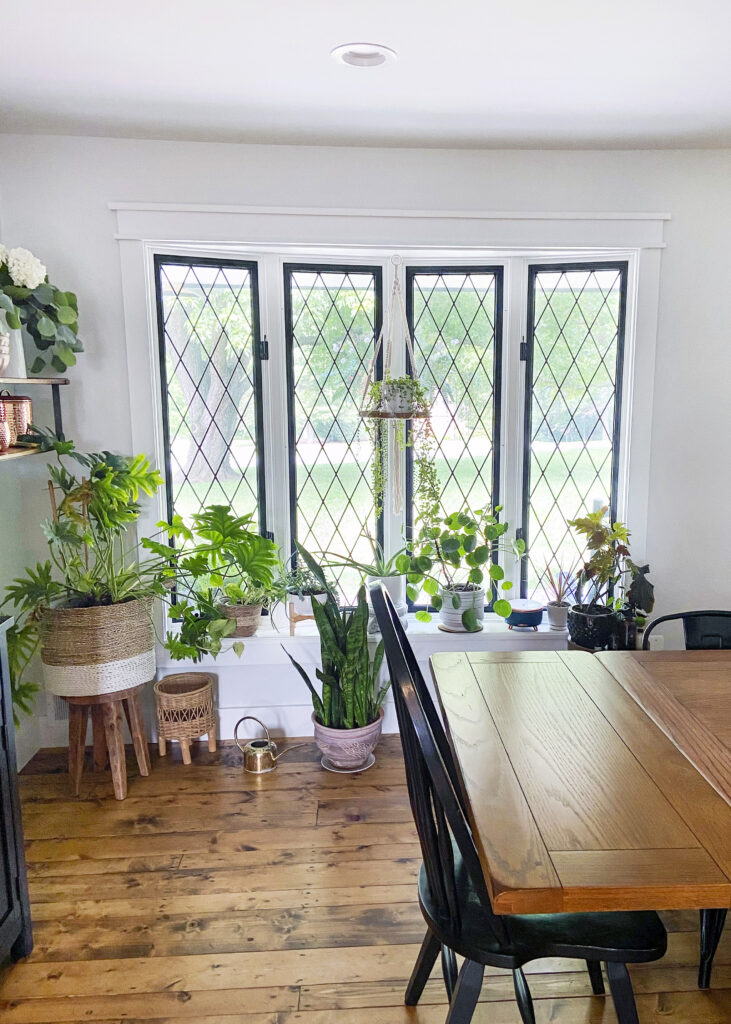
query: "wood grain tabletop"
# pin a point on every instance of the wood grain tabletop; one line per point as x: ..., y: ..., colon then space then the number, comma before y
x: 578, y: 799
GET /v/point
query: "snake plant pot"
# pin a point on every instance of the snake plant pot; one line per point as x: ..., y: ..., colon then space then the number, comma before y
x: 247, y: 616
x: 591, y: 625
x: 348, y: 750
x: 91, y: 651
x: 467, y: 596
x: 557, y: 615
x: 395, y: 585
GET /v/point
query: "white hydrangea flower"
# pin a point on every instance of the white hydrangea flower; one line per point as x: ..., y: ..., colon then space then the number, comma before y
x: 3, y: 254
x: 26, y: 270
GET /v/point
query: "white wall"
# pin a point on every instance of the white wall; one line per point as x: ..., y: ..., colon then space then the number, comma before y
x: 55, y: 193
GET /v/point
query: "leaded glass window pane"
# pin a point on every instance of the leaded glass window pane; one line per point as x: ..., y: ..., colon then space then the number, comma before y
x: 456, y: 321
x: 332, y: 320
x: 207, y: 320
x: 576, y: 331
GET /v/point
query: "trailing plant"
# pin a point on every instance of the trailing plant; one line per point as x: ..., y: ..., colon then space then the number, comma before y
x: 42, y: 312
x: 350, y: 695
x: 610, y: 569
x: 406, y: 391
x: 457, y: 554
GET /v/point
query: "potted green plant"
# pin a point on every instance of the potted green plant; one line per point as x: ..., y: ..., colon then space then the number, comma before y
x: 396, y: 397
x: 348, y: 711
x: 88, y: 607
x: 612, y: 575
x: 557, y: 609
x: 451, y: 562
x: 300, y: 588
x: 391, y: 572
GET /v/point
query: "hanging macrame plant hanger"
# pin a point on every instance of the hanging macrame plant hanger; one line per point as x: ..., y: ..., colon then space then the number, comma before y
x: 397, y: 300
x: 390, y: 397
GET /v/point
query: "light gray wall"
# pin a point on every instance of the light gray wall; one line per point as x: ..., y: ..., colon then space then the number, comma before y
x: 55, y: 192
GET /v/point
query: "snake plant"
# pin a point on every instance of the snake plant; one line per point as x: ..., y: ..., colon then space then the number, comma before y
x: 351, y: 696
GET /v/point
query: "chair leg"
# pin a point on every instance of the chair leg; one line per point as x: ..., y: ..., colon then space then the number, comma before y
x: 449, y: 970
x: 523, y: 997
x: 78, y: 714
x: 620, y: 985
x: 422, y: 968
x: 712, y: 922
x: 595, y: 977
x: 466, y: 993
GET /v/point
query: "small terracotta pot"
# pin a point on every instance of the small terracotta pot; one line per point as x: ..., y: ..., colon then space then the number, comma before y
x: 348, y: 749
x: 247, y: 616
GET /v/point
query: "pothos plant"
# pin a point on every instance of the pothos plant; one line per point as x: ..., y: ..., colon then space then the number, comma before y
x: 457, y: 554
x: 42, y: 312
x: 389, y: 404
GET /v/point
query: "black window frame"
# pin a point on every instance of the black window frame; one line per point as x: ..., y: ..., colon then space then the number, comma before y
x: 252, y: 266
x: 314, y: 267
x: 498, y: 270
x: 534, y: 269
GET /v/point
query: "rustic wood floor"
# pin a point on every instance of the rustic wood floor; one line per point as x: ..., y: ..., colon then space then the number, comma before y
x: 219, y: 898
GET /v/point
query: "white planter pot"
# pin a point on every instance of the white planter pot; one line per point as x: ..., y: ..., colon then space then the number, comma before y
x: 557, y: 616
x: 450, y: 618
x: 4, y: 353
x: 303, y: 605
x: 15, y: 360
x: 396, y: 587
x: 392, y: 400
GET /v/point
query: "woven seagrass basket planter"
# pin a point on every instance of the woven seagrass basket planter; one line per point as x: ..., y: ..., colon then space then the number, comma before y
x: 246, y: 616
x: 185, y: 709
x: 90, y: 651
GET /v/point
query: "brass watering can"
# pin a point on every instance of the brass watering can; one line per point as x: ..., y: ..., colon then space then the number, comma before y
x: 260, y: 756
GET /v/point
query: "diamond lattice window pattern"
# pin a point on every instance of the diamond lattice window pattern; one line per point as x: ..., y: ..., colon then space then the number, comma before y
x: 454, y: 320
x: 576, y: 335
x: 208, y: 333
x: 331, y: 332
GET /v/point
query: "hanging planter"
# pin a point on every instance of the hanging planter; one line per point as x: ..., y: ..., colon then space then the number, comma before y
x: 386, y: 407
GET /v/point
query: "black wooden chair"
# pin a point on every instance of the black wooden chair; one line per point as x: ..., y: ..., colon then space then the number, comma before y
x: 708, y: 630
x: 702, y: 631
x: 452, y: 891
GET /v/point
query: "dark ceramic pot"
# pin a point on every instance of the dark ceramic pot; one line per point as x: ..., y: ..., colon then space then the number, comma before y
x: 591, y: 625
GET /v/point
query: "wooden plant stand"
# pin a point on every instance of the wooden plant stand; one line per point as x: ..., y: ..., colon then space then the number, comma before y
x: 106, y: 723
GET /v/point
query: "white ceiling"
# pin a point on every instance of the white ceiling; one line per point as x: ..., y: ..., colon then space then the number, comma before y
x: 470, y: 72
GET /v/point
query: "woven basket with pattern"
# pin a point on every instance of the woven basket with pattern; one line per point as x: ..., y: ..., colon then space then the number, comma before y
x: 185, y: 705
x: 89, y: 651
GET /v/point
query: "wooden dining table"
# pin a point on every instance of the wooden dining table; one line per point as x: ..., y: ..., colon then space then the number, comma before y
x: 596, y: 782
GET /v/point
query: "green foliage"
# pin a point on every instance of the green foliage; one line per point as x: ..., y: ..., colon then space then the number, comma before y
x: 350, y: 694
x: 381, y: 566
x: 457, y: 553
x: 46, y: 315
x: 610, y: 567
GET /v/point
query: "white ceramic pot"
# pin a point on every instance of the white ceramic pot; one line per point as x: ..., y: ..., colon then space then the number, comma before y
x: 450, y: 618
x: 347, y: 750
x: 303, y: 605
x: 4, y: 354
x: 396, y: 587
x: 16, y: 362
x: 557, y: 616
x: 392, y: 399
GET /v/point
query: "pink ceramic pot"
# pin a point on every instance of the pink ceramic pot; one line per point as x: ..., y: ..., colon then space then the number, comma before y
x: 348, y: 749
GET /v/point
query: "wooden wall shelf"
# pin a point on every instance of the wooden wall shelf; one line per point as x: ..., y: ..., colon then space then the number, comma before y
x: 17, y: 452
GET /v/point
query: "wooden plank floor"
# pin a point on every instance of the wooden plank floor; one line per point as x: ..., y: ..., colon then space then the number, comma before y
x: 223, y: 898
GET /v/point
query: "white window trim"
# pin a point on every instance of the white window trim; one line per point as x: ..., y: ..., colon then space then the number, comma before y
x: 516, y: 240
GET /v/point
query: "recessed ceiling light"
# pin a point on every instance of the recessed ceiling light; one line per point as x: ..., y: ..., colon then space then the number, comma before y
x: 363, y: 55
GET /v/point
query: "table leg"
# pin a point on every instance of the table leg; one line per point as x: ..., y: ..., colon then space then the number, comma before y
x: 78, y: 716
x: 712, y: 922
x: 136, y: 723
x: 112, y: 714
x: 100, y: 742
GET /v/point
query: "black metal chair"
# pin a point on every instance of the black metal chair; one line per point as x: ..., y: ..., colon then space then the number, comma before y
x: 703, y: 631
x: 708, y: 630
x: 452, y: 891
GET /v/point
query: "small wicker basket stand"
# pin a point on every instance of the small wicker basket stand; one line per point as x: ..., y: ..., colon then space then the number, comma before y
x: 185, y: 710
